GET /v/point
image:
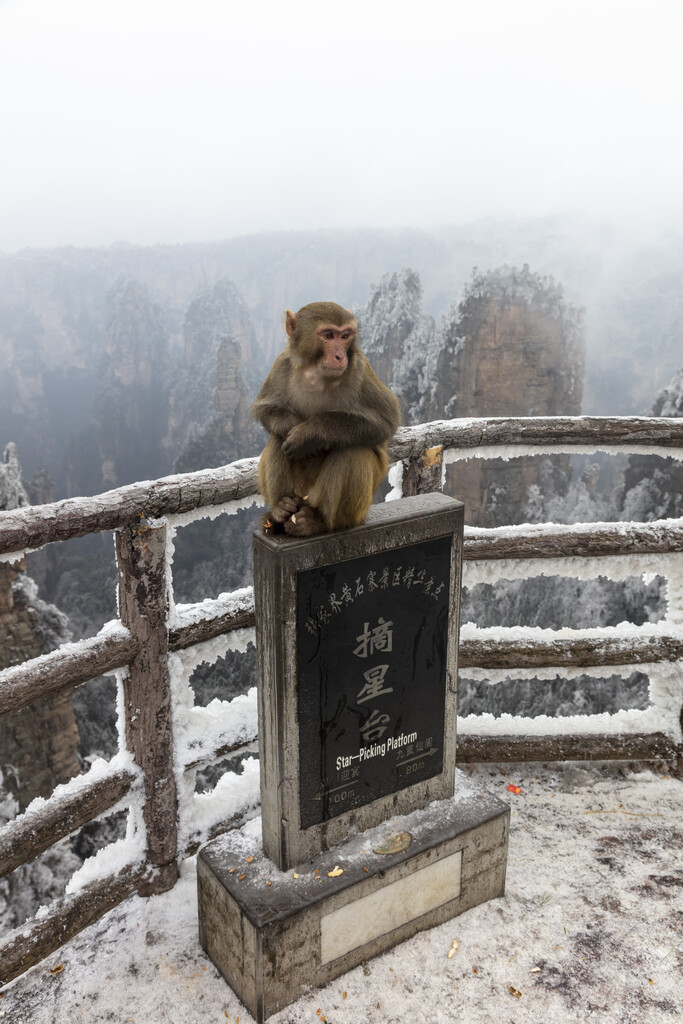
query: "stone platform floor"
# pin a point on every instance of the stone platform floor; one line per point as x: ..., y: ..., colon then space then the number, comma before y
x: 590, y: 930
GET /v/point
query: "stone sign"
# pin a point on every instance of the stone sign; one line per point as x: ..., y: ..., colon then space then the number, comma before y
x: 357, y: 638
x: 357, y: 641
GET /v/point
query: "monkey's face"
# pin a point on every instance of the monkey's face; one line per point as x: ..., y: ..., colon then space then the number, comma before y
x: 334, y: 344
x: 322, y: 337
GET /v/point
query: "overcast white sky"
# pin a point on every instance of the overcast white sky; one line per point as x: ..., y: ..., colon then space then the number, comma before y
x: 164, y: 121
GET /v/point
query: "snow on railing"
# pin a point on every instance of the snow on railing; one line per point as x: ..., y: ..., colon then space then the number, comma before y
x: 155, y: 645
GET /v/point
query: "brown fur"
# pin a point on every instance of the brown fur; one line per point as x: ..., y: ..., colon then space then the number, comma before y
x: 330, y: 419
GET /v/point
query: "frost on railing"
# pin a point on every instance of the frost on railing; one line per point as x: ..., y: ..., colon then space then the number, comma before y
x: 166, y: 738
x: 656, y: 648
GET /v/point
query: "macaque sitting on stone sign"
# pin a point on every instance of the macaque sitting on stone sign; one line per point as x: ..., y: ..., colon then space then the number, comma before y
x: 330, y: 419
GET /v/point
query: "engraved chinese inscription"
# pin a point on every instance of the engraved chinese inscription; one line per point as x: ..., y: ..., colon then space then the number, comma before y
x: 372, y: 646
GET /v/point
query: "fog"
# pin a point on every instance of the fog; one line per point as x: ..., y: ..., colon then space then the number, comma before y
x: 173, y: 122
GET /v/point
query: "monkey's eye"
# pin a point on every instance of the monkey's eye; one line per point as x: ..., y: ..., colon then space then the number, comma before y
x: 328, y: 335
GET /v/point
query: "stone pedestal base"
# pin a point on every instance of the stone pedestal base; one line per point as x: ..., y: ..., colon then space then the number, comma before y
x: 272, y: 934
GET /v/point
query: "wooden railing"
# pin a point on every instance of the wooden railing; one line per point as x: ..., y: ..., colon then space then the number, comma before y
x: 154, y: 645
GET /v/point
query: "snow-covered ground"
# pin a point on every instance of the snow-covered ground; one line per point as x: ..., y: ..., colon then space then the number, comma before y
x: 590, y: 930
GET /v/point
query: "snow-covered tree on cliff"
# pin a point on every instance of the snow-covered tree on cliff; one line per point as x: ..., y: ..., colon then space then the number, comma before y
x: 12, y: 491
x: 654, y: 487
x: 400, y: 340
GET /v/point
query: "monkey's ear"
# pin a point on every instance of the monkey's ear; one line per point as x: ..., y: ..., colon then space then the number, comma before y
x: 290, y: 323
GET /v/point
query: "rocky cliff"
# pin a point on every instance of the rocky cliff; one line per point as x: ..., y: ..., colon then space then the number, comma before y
x: 123, y: 437
x: 38, y: 745
x: 512, y: 346
x: 216, y: 381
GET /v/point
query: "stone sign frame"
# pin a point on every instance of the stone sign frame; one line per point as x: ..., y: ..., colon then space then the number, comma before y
x: 278, y: 561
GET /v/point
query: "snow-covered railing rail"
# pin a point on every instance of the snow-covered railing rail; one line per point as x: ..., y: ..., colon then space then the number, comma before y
x: 532, y: 435
x: 25, y: 529
x: 155, y: 645
x: 163, y: 738
x: 30, y: 528
x: 614, y: 550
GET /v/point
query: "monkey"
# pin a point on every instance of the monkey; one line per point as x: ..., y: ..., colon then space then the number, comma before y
x: 330, y: 419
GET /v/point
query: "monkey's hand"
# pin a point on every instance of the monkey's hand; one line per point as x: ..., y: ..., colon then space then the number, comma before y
x: 287, y: 506
x: 307, y: 522
x: 302, y: 441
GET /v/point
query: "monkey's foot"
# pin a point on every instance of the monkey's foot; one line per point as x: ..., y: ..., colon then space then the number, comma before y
x: 268, y: 524
x: 286, y: 507
x: 307, y: 522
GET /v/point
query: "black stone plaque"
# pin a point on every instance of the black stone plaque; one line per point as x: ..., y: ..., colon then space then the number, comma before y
x: 372, y: 636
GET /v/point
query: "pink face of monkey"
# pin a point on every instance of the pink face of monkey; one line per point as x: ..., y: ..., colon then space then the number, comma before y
x: 321, y: 338
x: 334, y: 345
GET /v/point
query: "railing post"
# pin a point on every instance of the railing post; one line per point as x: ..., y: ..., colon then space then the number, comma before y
x: 422, y: 473
x: 143, y: 605
x: 674, y: 614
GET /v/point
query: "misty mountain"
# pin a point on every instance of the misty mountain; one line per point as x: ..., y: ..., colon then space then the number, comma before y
x: 401, y: 340
x: 512, y: 345
x: 218, y: 376
x: 123, y: 436
x: 65, y: 315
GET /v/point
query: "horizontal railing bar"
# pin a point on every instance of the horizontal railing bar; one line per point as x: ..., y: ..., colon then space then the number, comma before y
x: 217, y: 829
x: 585, y: 540
x: 41, y: 677
x: 604, y: 432
x: 222, y: 751
x: 35, y: 525
x: 582, y: 651
x: 472, y: 748
x: 69, y: 665
x: 490, y: 652
x: 33, y: 832
x: 623, y: 747
x: 66, y: 917
x: 180, y: 637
